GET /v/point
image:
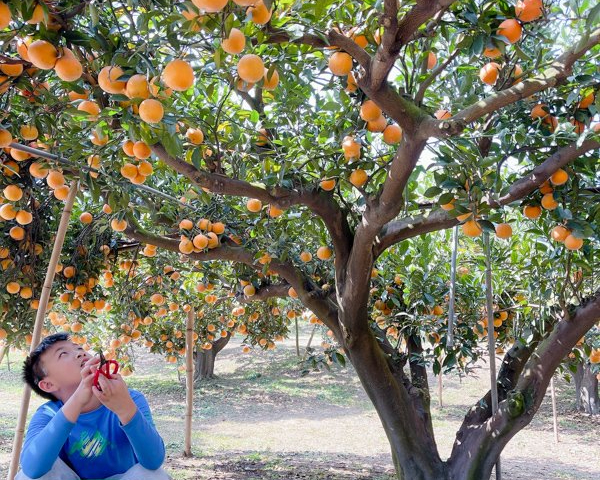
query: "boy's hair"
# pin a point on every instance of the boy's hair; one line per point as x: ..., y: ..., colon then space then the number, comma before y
x: 33, y: 370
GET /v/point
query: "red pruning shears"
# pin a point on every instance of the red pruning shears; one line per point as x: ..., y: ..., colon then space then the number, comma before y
x: 105, y: 369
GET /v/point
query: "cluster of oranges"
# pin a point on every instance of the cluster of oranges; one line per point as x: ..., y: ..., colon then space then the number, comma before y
x: 199, y: 237
x: 560, y: 233
x: 511, y: 29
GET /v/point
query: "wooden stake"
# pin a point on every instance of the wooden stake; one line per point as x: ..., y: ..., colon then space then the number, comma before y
x: 39, y: 323
x: 490, y: 332
x: 189, y: 381
x: 440, y: 388
x: 297, y: 338
x: 450, y: 334
x: 554, y: 414
x: 2, y: 352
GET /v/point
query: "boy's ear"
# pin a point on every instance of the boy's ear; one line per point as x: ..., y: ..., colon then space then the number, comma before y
x: 47, y: 386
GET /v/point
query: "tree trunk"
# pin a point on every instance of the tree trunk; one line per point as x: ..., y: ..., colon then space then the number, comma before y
x: 402, y: 406
x: 586, y: 390
x: 204, y: 360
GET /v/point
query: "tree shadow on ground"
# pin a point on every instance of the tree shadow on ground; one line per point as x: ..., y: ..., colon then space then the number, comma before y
x: 243, y: 465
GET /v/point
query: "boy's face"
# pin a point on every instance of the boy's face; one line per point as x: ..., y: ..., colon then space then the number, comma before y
x: 62, y: 363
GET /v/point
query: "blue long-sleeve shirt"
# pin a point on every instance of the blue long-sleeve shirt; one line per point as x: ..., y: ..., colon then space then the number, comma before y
x: 96, y: 446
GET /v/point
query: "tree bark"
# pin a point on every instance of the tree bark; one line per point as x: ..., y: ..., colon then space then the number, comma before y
x: 586, y: 390
x: 204, y: 360
x: 403, y: 408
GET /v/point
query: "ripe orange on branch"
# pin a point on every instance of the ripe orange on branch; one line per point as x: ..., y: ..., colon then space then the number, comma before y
x: 489, y: 73
x: 235, y: 43
x: 251, y: 68
x: 529, y: 10
x: 178, y: 75
x: 511, y: 29
x: 340, y: 63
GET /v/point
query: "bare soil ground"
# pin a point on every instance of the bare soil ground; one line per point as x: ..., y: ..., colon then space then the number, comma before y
x: 262, y: 420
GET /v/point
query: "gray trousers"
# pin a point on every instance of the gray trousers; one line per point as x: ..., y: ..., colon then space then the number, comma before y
x: 61, y: 471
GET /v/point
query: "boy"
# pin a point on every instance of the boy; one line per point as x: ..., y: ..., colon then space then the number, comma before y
x: 84, y: 432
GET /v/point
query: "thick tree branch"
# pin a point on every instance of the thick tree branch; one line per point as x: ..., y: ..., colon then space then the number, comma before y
x: 399, y: 230
x: 310, y: 295
x: 397, y: 34
x: 521, y: 404
x: 321, y: 203
x: 551, y: 77
x: 278, y: 290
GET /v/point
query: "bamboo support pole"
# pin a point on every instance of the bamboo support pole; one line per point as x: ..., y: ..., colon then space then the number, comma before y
x: 490, y: 332
x: 310, y: 339
x: 2, y: 352
x: 451, y: 317
x: 39, y: 323
x: 554, y: 414
x: 189, y: 381
x: 297, y: 338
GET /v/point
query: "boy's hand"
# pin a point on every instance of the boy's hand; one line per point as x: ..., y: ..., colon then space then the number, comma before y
x: 115, y: 396
x: 84, y: 390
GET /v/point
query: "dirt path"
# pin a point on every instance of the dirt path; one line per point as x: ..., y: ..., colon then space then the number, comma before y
x: 262, y: 420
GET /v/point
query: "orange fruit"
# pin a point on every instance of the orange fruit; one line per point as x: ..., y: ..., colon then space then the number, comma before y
x: 178, y: 75
x: 18, y: 155
x: 361, y: 40
x: 254, y: 205
x: 358, y: 177
x: 8, y: 212
x: 249, y: 290
x: 324, y: 253
x: 471, y: 228
x: 448, y: 206
x: 90, y: 107
x: 13, y: 193
x: 369, y: 111
x: 61, y: 193
x: 431, y: 60
x: 528, y: 10
x: 532, y: 211
x: 145, y: 168
x: 511, y: 29
x: 13, y: 288
x: 587, y: 100
x: 218, y: 228
x: 67, y: 67
x: 5, y: 138
x: 271, y: 81
x: 141, y: 150
x: 548, y: 201
x: 392, y: 134
x: 579, y: 126
x: 108, y: 80
x: 129, y: 171
x: 559, y: 177
x: 442, y: 114
x: 12, y: 69
x: 24, y: 217
x: 545, y: 188
x: 377, y: 125
x: 210, y: 6
x: 251, y: 68
x: 55, y: 179
x: 573, y: 243
x: 137, y: 87
x: 503, y: 230
x: 539, y: 111
x: 195, y: 135
x: 118, y: 225
x: 340, y: 63
x: 306, y: 257
x: 516, y: 74
x: 489, y: 73
x: 274, y: 211
x: 73, y: 95
x: 559, y: 233
x: 86, y: 218
x: 235, y: 43
x: 185, y: 246
x: 327, y: 184
x: 492, y: 52
x: 259, y: 13
x: 17, y: 233
x: 29, y: 132
x: 151, y: 111
x: 42, y: 54
x: 5, y: 18
x: 351, y: 148
x: 186, y: 224
x: 128, y: 148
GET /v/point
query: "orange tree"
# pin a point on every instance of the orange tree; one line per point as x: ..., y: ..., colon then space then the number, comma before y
x: 335, y: 114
